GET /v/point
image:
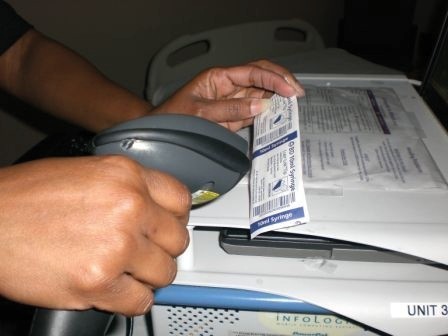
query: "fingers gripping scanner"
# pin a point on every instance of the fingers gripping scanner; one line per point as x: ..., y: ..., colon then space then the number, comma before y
x: 206, y: 157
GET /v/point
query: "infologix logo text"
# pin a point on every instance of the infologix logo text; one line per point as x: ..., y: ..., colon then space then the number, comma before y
x: 328, y: 320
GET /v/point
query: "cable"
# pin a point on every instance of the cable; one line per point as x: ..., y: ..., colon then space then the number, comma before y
x: 129, y: 326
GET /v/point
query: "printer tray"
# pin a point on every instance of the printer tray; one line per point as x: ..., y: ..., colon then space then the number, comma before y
x: 287, y: 245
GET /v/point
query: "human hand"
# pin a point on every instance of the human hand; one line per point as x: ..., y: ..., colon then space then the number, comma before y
x: 233, y: 96
x: 90, y: 232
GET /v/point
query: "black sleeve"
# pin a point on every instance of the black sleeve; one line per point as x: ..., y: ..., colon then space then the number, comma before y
x: 12, y: 26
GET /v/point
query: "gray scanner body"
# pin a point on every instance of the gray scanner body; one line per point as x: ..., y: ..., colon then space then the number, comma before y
x: 203, y: 155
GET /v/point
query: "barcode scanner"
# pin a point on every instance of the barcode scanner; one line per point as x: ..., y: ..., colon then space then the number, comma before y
x: 208, y: 158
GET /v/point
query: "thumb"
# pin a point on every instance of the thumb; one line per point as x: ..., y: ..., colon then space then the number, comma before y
x: 235, y: 109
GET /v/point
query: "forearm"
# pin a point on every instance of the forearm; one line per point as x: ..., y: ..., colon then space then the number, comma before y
x: 53, y: 78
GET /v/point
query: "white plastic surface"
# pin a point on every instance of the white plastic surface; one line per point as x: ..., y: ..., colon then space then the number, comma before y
x: 187, y: 55
x: 362, y: 291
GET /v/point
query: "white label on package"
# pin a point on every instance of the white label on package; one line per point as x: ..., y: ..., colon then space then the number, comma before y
x: 353, y: 110
x: 362, y: 138
x: 276, y: 188
x: 369, y: 162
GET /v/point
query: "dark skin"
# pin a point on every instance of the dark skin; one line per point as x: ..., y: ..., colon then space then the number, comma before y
x: 103, y: 232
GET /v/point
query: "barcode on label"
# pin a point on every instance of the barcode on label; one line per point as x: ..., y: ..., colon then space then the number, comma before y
x: 275, y: 204
x: 277, y: 133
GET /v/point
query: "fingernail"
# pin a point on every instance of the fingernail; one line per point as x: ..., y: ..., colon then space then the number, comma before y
x: 300, y: 91
x: 296, y: 85
x: 259, y: 106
